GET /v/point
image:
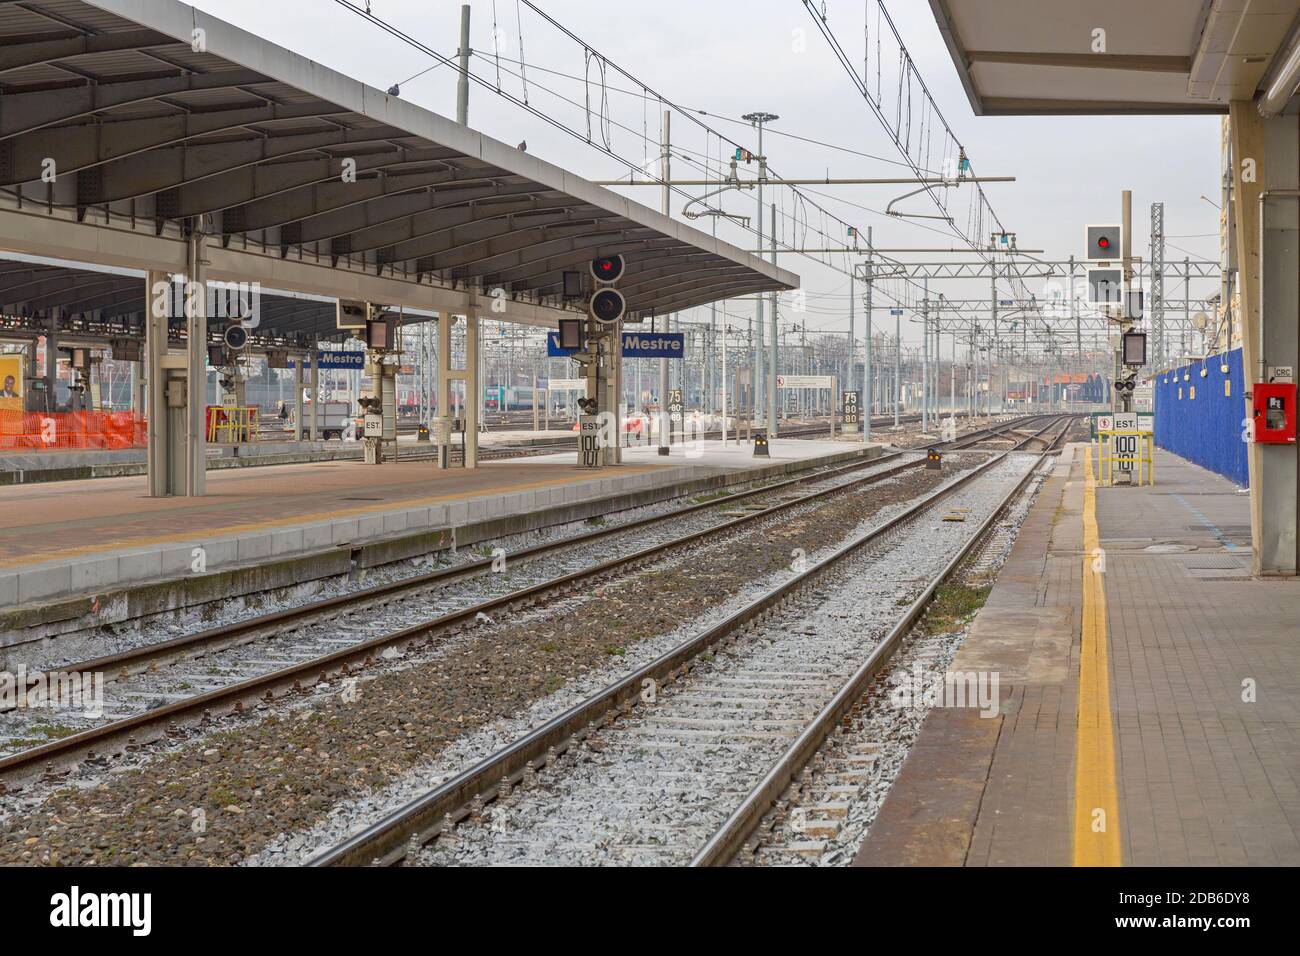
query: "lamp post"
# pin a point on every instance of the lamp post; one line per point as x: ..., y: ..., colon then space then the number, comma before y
x: 760, y: 119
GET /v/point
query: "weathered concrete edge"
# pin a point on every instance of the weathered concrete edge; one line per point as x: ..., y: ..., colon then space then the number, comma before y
x: 38, y: 620
x: 929, y: 815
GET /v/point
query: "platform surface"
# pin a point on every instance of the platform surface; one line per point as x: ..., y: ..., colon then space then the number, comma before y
x: 1203, y: 774
x: 74, y: 536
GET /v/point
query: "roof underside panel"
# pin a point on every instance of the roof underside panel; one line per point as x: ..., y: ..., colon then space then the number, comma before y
x: 1112, y: 56
x: 266, y: 151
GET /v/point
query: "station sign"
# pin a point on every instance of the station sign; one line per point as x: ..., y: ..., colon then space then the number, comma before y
x: 895, y: 311
x: 804, y: 381
x: 1144, y: 398
x: 589, y: 443
x: 568, y: 385
x: 1122, y: 421
x: 336, y: 359
x: 654, y: 344
x: 852, y: 411
x: 665, y: 345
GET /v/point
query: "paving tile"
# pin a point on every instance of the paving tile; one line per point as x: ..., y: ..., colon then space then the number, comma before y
x: 1204, y: 779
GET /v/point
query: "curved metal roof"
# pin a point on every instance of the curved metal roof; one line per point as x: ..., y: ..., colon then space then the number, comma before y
x: 254, y: 142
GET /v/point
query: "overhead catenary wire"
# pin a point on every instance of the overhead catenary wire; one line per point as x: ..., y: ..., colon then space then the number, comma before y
x: 797, y: 217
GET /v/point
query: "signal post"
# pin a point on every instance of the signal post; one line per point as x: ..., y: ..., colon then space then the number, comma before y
x: 600, y: 355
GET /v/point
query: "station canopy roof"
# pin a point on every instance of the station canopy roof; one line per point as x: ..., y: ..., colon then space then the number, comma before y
x: 103, y: 302
x: 1160, y: 56
x: 252, y: 143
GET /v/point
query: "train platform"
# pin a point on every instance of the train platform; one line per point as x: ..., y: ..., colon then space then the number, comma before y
x: 31, y: 466
x: 77, y: 543
x: 1148, y: 684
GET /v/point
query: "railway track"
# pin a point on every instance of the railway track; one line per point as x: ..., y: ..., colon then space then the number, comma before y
x: 736, y: 836
x: 157, y: 687
x: 569, y: 442
x: 214, y: 670
x: 424, y: 831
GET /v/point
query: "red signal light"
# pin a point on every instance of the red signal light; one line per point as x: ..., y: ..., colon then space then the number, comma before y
x: 607, y: 268
x: 1103, y: 242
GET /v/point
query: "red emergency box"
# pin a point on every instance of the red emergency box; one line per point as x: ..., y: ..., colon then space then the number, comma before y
x: 1274, y: 412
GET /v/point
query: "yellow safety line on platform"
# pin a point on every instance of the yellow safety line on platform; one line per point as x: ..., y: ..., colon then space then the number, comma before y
x: 1096, y: 794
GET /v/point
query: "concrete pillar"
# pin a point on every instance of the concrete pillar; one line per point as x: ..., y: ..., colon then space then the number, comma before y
x: 157, y: 435
x: 138, y: 389
x: 1266, y: 192
x: 299, y: 383
x: 196, y: 331
x: 442, y: 387
x: 473, y: 389
x: 32, y: 374
x: 315, y: 393
x: 52, y: 363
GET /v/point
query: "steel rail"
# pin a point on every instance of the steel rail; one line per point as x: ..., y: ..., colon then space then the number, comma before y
x: 302, y: 676
x: 730, y: 837
x: 331, y: 607
x: 420, y: 820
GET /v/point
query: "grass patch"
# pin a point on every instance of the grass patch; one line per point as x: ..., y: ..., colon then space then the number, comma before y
x: 953, y: 605
x: 596, y: 521
x: 614, y: 650
x: 711, y: 496
x: 552, y: 685
x: 44, y: 733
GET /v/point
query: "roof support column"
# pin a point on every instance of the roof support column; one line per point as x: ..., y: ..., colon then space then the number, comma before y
x: 52, y: 363
x: 1266, y: 180
x: 315, y: 392
x: 473, y: 387
x: 299, y: 385
x: 196, y: 331
x: 158, y: 438
x: 138, y: 390
x: 441, y: 426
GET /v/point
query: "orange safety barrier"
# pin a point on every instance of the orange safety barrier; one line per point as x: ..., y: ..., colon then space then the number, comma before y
x: 41, y: 431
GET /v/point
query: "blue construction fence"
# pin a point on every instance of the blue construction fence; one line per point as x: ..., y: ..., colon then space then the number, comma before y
x: 1199, y: 416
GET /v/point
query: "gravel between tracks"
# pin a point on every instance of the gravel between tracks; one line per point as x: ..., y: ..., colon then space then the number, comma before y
x: 652, y: 787
x: 127, y: 635
x: 141, y: 691
x: 222, y: 796
x: 881, y: 727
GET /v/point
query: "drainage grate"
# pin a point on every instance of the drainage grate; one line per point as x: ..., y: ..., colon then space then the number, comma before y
x: 1212, y: 562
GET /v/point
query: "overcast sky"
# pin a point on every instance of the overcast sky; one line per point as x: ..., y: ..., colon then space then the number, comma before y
x: 728, y: 57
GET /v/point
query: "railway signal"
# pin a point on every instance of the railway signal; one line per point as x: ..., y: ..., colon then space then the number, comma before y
x: 236, y: 337
x: 607, y: 306
x: 607, y: 269
x: 1103, y: 242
